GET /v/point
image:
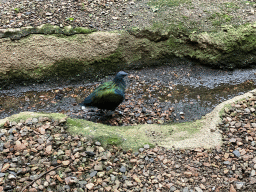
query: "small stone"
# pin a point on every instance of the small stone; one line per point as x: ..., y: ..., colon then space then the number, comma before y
x: 71, y: 180
x: 252, y: 173
x: 236, y: 153
x: 136, y: 178
x: 46, y: 184
x: 122, y: 169
x: 82, y: 183
x: 252, y: 180
x: 239, y: 185
x: 48, y: 149
x: 100, y: 174
x: 11, y: 176
x: 34, y: 120
x: 19, y: 146
x: 232, y: 189
x: 188, y: 173
x: 101, y: 149
x: 7, y: 124
x: 146, y: 146
x: 149, y: 122
x: 128, y: 183
x: 238, y: 124
x: 63, y: 120
x: 90, y: 153
x: 92, y: 174
x: 32, y: 190
x: 172, y: 188
x: 98, y: 167
x: 186, y: 189
x: 2, y: 175
x: 239, y: 143
x: 198, y: 189
x: 226, y: 163
x: 226, y: 155
x: 90, y: 186
x: 48, y: 14
x: 97, y: 143
x: 252, y: 109
x: 5, y: 167
x: 65, y: 163
x: 226, y: 171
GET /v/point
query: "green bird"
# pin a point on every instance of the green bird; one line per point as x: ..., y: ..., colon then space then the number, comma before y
x: 108, y: 95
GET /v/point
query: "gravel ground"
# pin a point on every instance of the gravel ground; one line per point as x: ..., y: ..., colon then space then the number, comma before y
x: 40, y: 154
x: 99, y: 14
x: 124, y: 14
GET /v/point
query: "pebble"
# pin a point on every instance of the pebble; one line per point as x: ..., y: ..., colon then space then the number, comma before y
x: 97, y: 143
x: 236, y: 153
x: 239, y: 185
x: 92, y: 174
x: 198, y: 189
x: 122, y: 169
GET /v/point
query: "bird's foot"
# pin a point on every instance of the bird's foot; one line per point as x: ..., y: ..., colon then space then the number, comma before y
x: 120, y: 112
x: 110, y: 113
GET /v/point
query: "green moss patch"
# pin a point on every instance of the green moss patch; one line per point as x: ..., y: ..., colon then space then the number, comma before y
x: 127, y: 137
x: 26, y: 115
x: 133, y: 137
x: 46, y: 29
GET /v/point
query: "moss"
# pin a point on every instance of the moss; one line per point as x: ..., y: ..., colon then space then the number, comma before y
x: 249, y: 2
x: 231, y: 5
x: 82, y: 30
x: 219, y: 19
x: 109, y: 140
x: 112, y: 63
x: 46, y: 29
x: 222, y: 111
x: 66, y: 67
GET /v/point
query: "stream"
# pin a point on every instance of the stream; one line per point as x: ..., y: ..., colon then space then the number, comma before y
x: 172, y: 93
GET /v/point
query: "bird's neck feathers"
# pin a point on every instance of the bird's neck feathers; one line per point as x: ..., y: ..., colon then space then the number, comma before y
x: 119, y: 82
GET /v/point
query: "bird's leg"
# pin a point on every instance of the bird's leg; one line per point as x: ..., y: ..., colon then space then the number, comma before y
x: 120, y: 112
x: 110, y: 113
x: 101, y: 111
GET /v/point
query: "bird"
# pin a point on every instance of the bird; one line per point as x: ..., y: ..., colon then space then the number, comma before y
x: 107, y: 95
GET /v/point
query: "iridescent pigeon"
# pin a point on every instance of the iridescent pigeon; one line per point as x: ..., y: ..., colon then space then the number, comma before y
x: 108, y: 95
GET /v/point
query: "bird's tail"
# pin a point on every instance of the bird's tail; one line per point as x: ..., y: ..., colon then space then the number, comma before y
x: 81, y: 104
x: 87, y: 101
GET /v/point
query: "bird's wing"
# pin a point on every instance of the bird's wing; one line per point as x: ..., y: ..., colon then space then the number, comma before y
x: 105, y: 89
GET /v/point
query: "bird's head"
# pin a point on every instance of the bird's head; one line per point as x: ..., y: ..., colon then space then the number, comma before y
x: 120, y: 75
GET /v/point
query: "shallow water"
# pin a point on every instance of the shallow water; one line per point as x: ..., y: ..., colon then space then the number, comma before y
x: 185, y: 92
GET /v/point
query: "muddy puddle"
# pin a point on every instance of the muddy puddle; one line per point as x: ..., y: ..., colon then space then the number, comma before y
x: 159, y: 95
